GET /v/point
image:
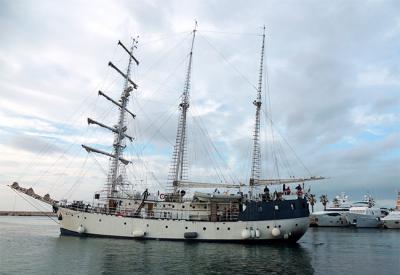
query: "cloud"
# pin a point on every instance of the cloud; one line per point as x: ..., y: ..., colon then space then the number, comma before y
x: 333, y: 89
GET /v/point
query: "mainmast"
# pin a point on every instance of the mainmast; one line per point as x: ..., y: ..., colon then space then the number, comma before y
x: 117, y: 174
x: 256, y: 157
x: 178, y: 170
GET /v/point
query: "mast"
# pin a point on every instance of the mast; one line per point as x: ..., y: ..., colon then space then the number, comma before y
x: 256, y: 155
x: 117, y: 174
x: 178, y: 169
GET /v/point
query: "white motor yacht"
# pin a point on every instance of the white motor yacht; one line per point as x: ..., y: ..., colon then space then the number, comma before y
x: 364, y: 214
x: 333, y: 216
x: 393, y: 219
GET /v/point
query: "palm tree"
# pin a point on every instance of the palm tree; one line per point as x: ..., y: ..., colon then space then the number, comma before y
x: 324, y: 200
x: 312, y: 201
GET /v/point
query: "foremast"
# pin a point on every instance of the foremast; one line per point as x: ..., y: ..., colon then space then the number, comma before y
x: 116, y: 177
x: 179, y: 164
x: 256, y: 152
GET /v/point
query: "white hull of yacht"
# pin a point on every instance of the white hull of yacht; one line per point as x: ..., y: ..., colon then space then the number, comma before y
x: 392, y: 220
x: 328, y: 219
x: 101, y: 225
x: 363, y: 221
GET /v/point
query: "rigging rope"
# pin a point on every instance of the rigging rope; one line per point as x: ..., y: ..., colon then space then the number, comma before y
x: 229, y: 63
x: 34, y: 206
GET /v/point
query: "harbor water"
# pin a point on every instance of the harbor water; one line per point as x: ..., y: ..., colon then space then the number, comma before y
x: 32, y: 245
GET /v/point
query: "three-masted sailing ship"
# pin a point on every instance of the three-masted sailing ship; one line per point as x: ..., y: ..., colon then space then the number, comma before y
x: 252, y: 217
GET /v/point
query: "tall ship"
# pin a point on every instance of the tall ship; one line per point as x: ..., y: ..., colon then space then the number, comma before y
x: 254, y: 215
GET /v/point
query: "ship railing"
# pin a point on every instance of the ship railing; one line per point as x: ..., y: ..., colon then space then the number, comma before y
x: 199, y: 215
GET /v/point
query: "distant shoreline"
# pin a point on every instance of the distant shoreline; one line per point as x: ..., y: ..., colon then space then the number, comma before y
x: 26, y: 213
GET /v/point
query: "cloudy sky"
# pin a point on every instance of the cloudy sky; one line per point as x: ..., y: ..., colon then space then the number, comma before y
x: 332, y: 92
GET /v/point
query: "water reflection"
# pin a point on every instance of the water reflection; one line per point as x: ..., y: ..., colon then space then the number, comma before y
x: 165, y: 257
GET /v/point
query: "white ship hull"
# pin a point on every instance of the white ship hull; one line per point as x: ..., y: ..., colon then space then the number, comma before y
x: 392, y: 220
x: 101, y: 225
x: 328, y: 219
x: 363, y: 221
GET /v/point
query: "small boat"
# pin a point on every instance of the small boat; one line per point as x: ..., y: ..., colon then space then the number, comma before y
x: 363, y: 214
x: 392, y: 220
x: 333, y: 216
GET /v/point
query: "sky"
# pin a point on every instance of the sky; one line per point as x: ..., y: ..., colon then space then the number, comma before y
x: 331, y: 105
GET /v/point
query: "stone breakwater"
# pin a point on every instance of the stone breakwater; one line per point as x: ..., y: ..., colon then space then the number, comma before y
x: 26, y: 213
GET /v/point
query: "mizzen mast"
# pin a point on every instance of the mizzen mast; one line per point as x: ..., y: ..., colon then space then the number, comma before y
x: 256, y: 154
x: 117, y: 174
x: 178, y: 169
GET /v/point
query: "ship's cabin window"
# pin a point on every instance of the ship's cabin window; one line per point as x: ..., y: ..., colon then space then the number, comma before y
x: 333, y: 214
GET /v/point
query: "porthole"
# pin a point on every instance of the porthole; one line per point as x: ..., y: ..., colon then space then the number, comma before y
x: 229, y: 228
x: 186, y: 227
x: 204, y: 228
x: 99, y: 220
x: 85, y: 218
x: 129, y: 203
x: 124, y: 223
x: 267, y: 226
x: 183, y: 206
x: 194, y: 207
x: 78, y: 216
x: 147, y: 225
x: 279, y: 226
x: 217, y: 228
x: 205, y: 206
x: 163, y: 205
x: 296, y: 224
x: 72, y: 215
x: 173, y: 206
x: 166, y: 226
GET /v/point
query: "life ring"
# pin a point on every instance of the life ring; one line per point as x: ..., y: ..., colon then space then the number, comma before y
x: 162, y: 196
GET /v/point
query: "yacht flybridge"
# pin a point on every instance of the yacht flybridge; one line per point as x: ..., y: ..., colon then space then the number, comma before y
x: 231, y: 216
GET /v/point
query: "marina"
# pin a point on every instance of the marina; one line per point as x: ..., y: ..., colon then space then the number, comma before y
x: 199, y: 137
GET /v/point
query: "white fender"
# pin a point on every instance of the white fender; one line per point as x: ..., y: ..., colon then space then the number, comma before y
x: 258, y: 233
x: 138, y: 233
x: 286, y: 236
x: 252, y: 233
x: 245, y: 234
x: 275, y: 232
x: 81, y: 229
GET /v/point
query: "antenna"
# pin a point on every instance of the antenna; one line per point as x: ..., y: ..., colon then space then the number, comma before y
x: 256, y: 156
